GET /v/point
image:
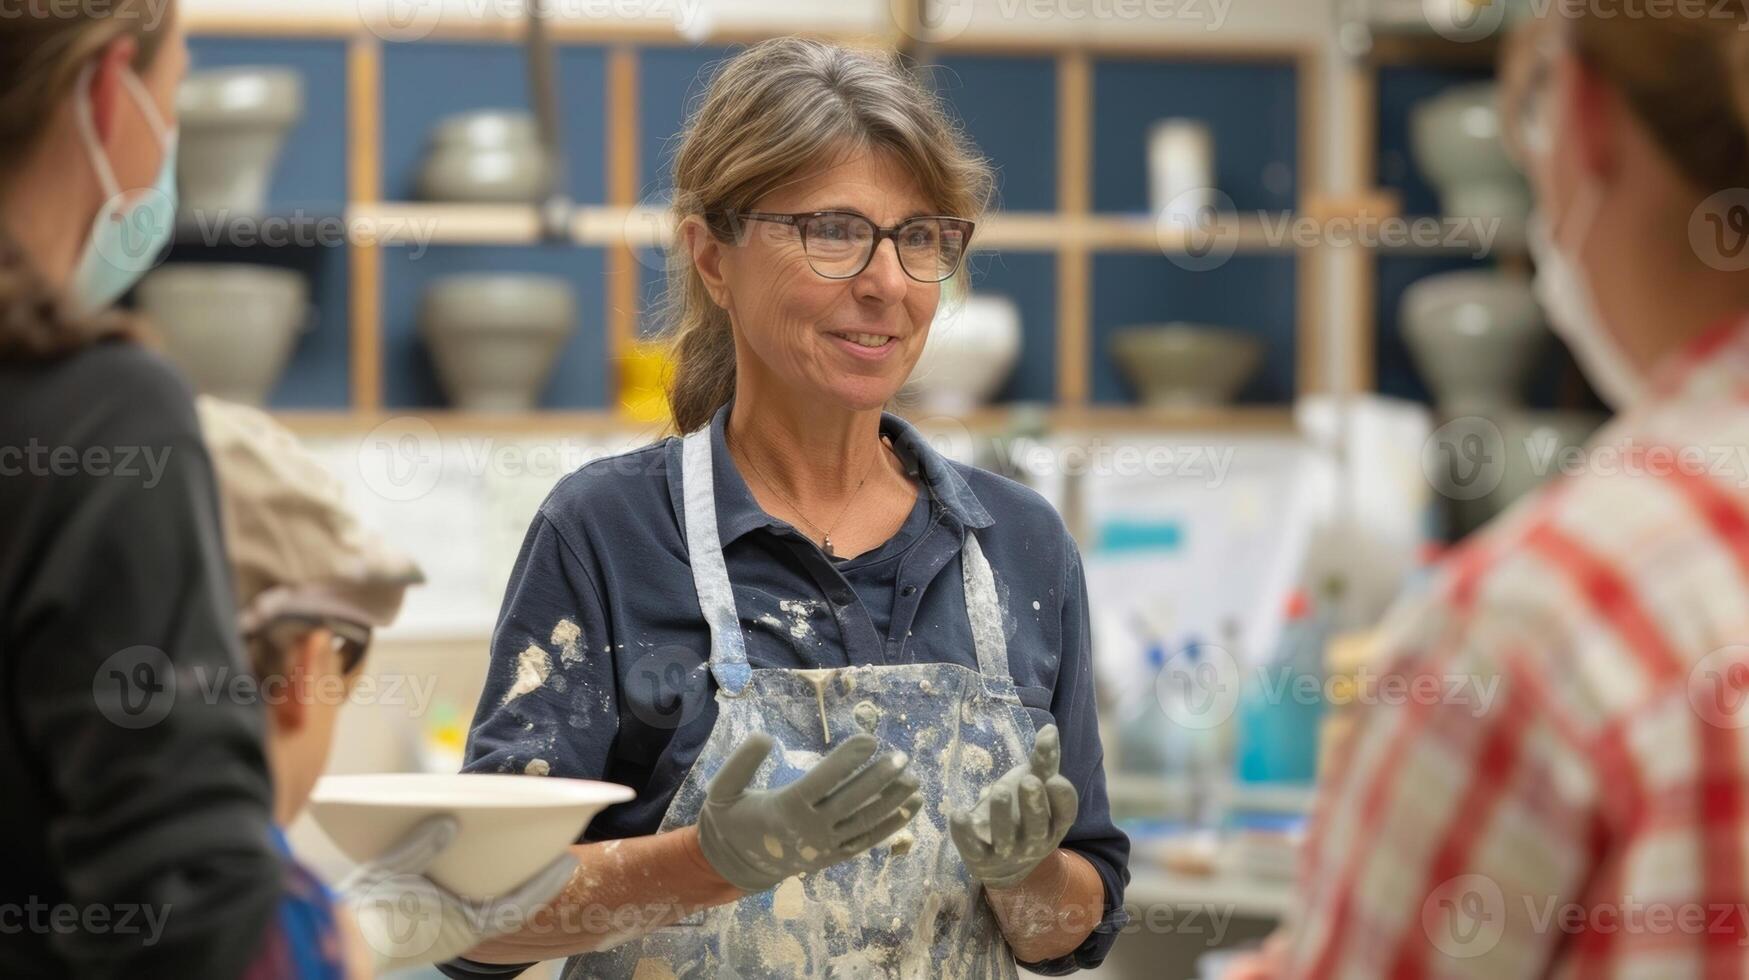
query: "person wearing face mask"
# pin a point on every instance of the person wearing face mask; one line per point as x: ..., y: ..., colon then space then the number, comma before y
x: 137, y: 827
x: 1575, y: 802
x: 135, y: 834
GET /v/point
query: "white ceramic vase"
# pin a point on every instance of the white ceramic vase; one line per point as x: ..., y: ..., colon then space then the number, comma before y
x: 972, y: 348
x: 1181, y: 170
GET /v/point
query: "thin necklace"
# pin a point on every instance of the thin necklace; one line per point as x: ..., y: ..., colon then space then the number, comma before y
x: 826, y: 543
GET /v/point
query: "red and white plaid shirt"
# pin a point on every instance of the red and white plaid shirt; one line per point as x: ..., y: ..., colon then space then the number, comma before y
x: 1560, y: 785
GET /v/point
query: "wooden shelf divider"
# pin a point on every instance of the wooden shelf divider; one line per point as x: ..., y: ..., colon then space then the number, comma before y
x: 1074, y: 199
x: 624, y: 298
x: 364, y: 71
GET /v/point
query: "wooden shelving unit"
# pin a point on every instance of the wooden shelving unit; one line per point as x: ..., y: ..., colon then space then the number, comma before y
x: 1074, y: 233
x: 644, y: 227
x: 1259, y: 420
x: 1393, y: 46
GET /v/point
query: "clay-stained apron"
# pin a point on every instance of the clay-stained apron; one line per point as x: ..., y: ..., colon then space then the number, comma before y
x: 906, y: 909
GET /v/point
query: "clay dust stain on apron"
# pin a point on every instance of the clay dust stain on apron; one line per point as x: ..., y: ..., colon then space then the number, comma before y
x: 820, y: 678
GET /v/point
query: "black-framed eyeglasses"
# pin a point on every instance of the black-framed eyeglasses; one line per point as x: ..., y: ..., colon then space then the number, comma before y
x: 840, y: 244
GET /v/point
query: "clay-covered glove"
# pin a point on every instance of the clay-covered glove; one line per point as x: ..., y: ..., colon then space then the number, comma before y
x: 756, y: 839
x: 409, y: 920
x: 1020, y: 818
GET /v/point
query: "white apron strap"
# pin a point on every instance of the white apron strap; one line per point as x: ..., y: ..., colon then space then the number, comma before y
x: 985, y: 613
x: 710, y: 576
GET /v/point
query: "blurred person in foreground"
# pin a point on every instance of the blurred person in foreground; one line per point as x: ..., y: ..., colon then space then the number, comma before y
x: 133, y: 807
x: 137, y: 825
x: 1591, y: 819
x: 312, y: 584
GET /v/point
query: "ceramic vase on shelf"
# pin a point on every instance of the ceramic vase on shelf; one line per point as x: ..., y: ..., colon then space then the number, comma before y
x: 486, y: 157
x: 973, y: 346
x: 234, y: 123
x: 494, y: 338
x: 1458, y: 146
x: 1474, y: 336
x: 230, y: 327
x: 1181, y: 170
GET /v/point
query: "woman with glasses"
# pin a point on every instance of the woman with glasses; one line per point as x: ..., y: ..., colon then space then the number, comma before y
x: 849, y: 678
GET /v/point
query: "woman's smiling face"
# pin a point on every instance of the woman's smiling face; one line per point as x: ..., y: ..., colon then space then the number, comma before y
x: 850, y: 341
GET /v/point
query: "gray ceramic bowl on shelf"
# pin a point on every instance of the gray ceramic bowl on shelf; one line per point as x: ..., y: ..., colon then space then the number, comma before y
x: 234, y: 123
x: 494, y: 337
x: 1458, y: 146
x: 1475, y: 336
x: 487, y: 157
x: 231, y: 327
x: 1186, y: 365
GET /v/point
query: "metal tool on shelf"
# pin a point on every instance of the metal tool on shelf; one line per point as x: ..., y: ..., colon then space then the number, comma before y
x: 558, y: 211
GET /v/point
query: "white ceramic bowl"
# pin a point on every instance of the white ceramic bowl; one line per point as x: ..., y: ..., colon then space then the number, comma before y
x: 511, y: 826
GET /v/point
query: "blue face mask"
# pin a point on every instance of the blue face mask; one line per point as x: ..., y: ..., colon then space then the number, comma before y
x: 131, y: 229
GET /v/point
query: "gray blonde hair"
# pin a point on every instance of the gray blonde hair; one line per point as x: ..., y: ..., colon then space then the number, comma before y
x: 772, y: 113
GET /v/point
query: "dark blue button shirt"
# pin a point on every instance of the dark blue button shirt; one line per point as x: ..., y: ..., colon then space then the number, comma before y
x: 600, y: 667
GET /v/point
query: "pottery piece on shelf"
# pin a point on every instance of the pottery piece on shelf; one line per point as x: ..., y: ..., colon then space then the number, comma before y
x: 1181, y: 169
x: 493, y: 337
x: 972, y: 349
x: 234, y: 123
x: 510, y: 826
x: 1186, y: 365
x: 1458, y: 146
x: 231, y: 327
x: 487, y: 157
x: 1474, y: 336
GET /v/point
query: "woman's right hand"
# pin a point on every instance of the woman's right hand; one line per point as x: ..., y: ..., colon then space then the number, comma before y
x: 756, y: 839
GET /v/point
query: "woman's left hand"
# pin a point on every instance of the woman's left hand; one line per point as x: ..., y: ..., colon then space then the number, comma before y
x: 1020, y: 819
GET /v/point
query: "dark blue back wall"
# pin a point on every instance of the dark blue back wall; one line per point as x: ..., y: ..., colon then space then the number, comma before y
x: 669, y: 81
x: 1008, y: 106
